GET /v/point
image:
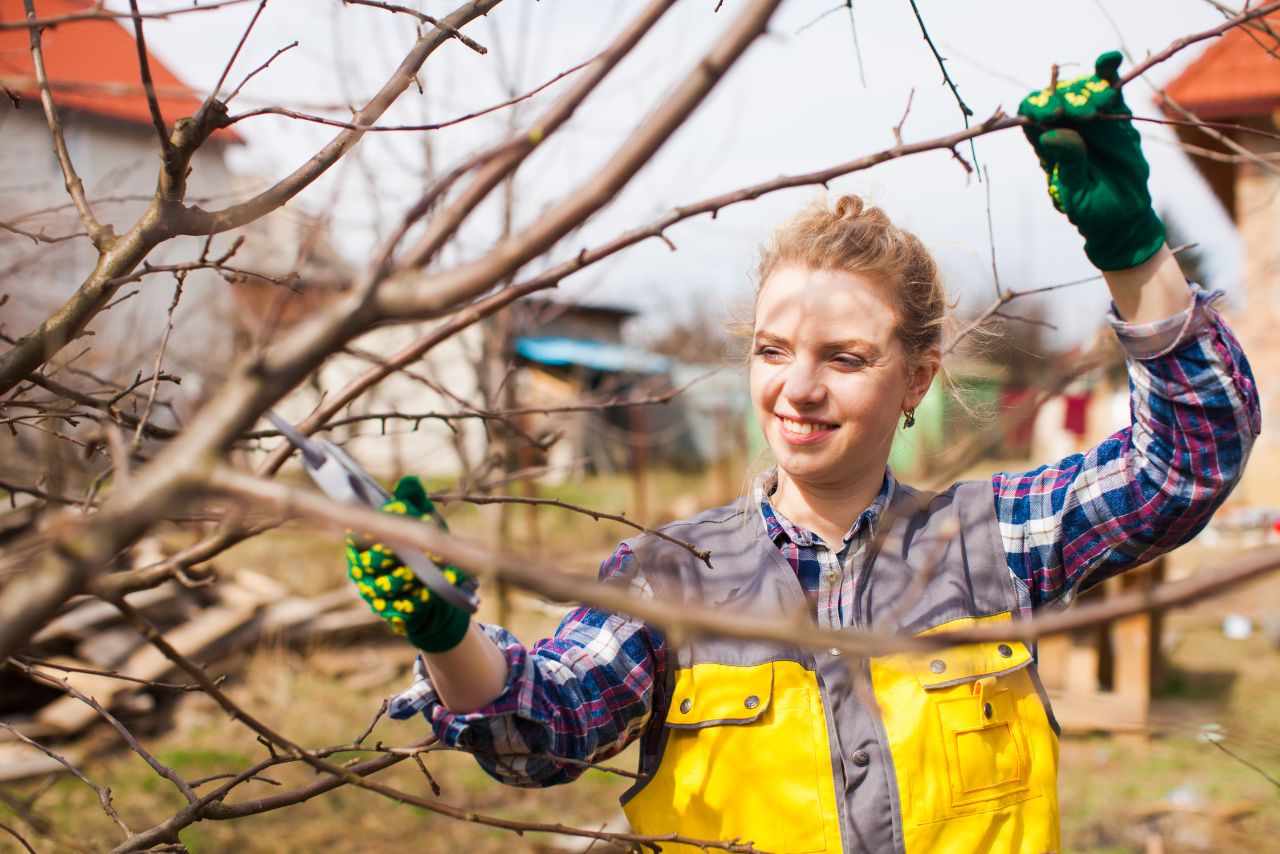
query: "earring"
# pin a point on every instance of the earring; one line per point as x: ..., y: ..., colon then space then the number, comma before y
x: 908, y: 419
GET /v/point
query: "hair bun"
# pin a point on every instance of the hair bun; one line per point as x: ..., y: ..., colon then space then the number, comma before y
x: 849, y: 207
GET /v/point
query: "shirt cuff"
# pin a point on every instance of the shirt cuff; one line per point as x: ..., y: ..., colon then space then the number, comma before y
x: 1161, y: 337
x: 421, y: 698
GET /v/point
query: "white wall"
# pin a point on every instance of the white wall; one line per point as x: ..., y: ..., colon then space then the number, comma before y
x: 118, y: 163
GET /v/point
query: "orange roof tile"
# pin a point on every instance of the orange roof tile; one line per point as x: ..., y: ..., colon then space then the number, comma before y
x: 92, y: 67
x: 1235, y: 77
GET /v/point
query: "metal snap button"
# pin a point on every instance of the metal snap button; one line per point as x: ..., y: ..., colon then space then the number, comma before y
x: 751, y: 702
x: 986, y: 710
x: 937, y: 665
x: 685, y: 706
x: 1004, y: 650
x: 861, y: 758
x: 835, y: 650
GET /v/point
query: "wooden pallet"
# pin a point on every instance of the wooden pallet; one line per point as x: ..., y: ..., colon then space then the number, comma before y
x: 1100, y: 680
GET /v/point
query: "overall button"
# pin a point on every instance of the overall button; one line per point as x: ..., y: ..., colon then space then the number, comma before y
x: 938, y: 665
x: 1005, y: 650
x: 861, y: 758
x: 751, y: 702
x: 986, y: 710
x: 685, y: 706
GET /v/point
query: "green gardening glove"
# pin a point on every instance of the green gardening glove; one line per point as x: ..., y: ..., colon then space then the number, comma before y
x: 394, y: 592
x: 1097, y: 174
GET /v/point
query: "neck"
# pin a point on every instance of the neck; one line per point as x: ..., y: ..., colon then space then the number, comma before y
x: 828, y: 511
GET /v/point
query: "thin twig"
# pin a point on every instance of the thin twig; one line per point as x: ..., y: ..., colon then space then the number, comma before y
x: 164, y: 345
x: 18, y: 836
x: 293, y: 114
x: 110, y: 674
x: 906, y: 111
x: 991, y: 234
x: 857, y: 50
x: 424, y: 18
x: 103, y: 792
x: 99, y: 13
x: 160, y: 768
x: 244, y: 37
x: 255, y: 72
x: 1244, y: 17
x: 946, y: 78
x: 1245, y: 762
x: 39, y: 237
x: 144, y: 64
x: 382, y: 710
x: 445, y: 497
x: 821, y: 17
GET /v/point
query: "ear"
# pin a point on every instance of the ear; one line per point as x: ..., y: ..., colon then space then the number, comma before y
x: 921, y: 375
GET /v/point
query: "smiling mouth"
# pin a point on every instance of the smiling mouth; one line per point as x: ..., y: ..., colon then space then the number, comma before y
x: 805, y: 428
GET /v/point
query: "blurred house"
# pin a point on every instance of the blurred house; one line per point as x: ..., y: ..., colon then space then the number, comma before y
x: 1236, y: 81
x: 93, y: 73
x: 573, y: 355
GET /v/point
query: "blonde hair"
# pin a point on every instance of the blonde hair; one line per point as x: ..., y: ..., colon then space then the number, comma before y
x: 855, y: 238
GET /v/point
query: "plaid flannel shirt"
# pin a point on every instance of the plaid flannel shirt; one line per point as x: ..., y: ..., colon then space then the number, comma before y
x: 587, y: 692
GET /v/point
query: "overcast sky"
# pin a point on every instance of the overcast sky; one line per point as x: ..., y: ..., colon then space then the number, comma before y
x: 795, y: 103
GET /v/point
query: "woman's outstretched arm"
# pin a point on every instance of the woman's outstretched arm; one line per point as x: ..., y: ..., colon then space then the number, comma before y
x: 581, y: 695
x: 1194, y: 405
x: 471, y: 675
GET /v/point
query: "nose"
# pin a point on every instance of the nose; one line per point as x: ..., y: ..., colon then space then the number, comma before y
x: 802, y: 384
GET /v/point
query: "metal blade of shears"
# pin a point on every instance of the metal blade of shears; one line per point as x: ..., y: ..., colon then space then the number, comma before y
x: 343, y: 480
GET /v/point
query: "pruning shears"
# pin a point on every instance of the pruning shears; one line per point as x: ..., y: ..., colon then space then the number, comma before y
x: 344, y: 480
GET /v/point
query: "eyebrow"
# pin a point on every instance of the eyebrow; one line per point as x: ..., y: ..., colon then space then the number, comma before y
x: 851, y: 344
x: 764, y: 336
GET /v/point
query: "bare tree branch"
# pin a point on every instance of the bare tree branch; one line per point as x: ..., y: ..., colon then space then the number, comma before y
x: 18, y: 836
x: 161, y: 769
x: 199, y: 222
x: 99, y: 13
x: 281, y: 111
x: 424, y: 18
x: 346, y: 775
x: 100, y: 235
x: 103, y: 792
x: 144, y: 63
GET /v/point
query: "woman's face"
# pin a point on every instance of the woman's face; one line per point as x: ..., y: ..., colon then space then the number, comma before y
x: 829, y: 376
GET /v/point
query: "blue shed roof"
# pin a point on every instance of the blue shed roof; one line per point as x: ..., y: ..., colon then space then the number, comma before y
x: 597, y: 355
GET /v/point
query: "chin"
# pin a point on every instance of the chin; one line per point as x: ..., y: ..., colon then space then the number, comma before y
x: 813, y: 471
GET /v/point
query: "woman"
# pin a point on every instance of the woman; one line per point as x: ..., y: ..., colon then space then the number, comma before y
x: 803, y: 750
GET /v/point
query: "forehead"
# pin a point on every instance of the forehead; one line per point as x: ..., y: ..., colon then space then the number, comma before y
x: 826, y: 303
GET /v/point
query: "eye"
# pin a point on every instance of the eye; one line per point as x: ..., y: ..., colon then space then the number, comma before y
x: 850, y: 362
x: 768, y: 352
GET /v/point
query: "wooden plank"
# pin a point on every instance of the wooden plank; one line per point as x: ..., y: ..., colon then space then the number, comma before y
x: 295, y: 610
x: 108, y: 646
x: 1097, y: 712
x: 84, y: 617
x: 67, y: 714
x: 348, y: 622
x: 1082, y: 671
x: 19, y: 761
x: 1052, y: 661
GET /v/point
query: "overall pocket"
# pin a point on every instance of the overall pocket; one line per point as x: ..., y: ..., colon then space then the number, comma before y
x: 745, y: 757
x: 972, y: 733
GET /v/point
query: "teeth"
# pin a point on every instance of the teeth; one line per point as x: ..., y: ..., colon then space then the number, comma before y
x: 802, y: 428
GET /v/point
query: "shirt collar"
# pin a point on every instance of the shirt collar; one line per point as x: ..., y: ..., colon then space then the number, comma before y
x: 780, y: 529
